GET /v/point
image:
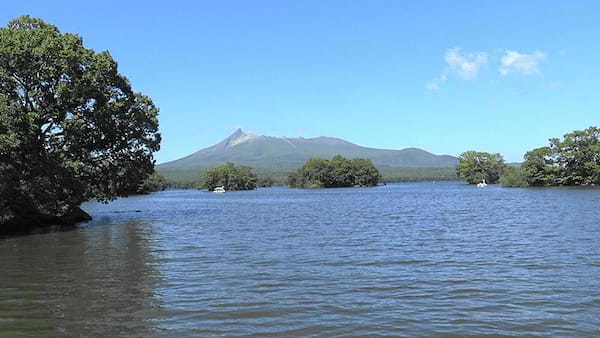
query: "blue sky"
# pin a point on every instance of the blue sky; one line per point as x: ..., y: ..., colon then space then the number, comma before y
x: 498, y: 76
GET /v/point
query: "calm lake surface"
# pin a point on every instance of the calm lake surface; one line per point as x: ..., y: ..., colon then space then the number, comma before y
x: 404, y: 259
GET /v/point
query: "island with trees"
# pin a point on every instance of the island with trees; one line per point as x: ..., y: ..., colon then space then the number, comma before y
x: 230, y: 177
x: 335, y: 173
x: 475, y: 167
x: 573, y: 160
x: 72, y: 128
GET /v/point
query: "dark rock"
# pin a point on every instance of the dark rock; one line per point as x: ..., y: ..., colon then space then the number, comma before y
x: 31, y: 222
x: 76, y: 216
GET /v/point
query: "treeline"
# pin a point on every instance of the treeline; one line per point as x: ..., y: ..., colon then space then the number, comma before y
x: 571, y: 161
x: 335, y: 173
x: 390, y: 175
x: 316, y: 173
x: 191, y: 179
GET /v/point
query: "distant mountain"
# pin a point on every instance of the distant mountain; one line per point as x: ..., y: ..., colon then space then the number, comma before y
x: 286, y: 153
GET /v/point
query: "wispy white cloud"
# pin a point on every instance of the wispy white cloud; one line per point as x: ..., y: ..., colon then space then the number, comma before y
x: 465, y: 65
x: 434, y: 85
x: 520, y: 63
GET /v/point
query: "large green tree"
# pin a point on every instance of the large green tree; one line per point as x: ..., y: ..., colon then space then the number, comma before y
x: 573, y: 160
x: 71, y: 127
x: 578, y: 156
x: 474, y: 166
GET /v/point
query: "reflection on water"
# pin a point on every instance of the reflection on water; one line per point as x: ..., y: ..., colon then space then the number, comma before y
x: 98, y: 280
x: 405, y: 259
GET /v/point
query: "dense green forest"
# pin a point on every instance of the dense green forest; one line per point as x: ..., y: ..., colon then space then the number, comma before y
x: 337, y: 172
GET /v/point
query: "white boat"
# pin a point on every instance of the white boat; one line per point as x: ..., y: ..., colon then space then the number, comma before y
x: 219, y: 190
x: 482, y: 184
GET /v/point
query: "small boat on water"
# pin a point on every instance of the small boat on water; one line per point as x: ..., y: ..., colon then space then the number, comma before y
x: 482, y: 184
x: 219, y: 190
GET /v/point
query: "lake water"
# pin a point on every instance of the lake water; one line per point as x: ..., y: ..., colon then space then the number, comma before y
x: 403, y: 259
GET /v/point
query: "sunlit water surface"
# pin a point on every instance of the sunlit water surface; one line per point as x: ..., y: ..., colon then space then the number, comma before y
x: 403, y: 259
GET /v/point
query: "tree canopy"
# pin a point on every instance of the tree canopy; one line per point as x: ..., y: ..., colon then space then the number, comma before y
x: 71, y: 127
x: 337, y: 172
x: 574, y: 160
x: 229, y: 176
x: 474, y: 166
x: 540, y: 167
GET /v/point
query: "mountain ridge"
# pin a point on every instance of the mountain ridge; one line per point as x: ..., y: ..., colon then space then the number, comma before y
x: 261, y: 151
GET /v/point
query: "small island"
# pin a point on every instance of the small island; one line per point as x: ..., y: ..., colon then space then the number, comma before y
x: 335, y: 173
x: 230, y: 177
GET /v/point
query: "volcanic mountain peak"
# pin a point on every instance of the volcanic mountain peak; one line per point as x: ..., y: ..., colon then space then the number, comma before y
x: 262, y: 151
x: 239, y: 137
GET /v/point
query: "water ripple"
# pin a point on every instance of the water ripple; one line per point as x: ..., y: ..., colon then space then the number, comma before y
x: 416, y: 259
